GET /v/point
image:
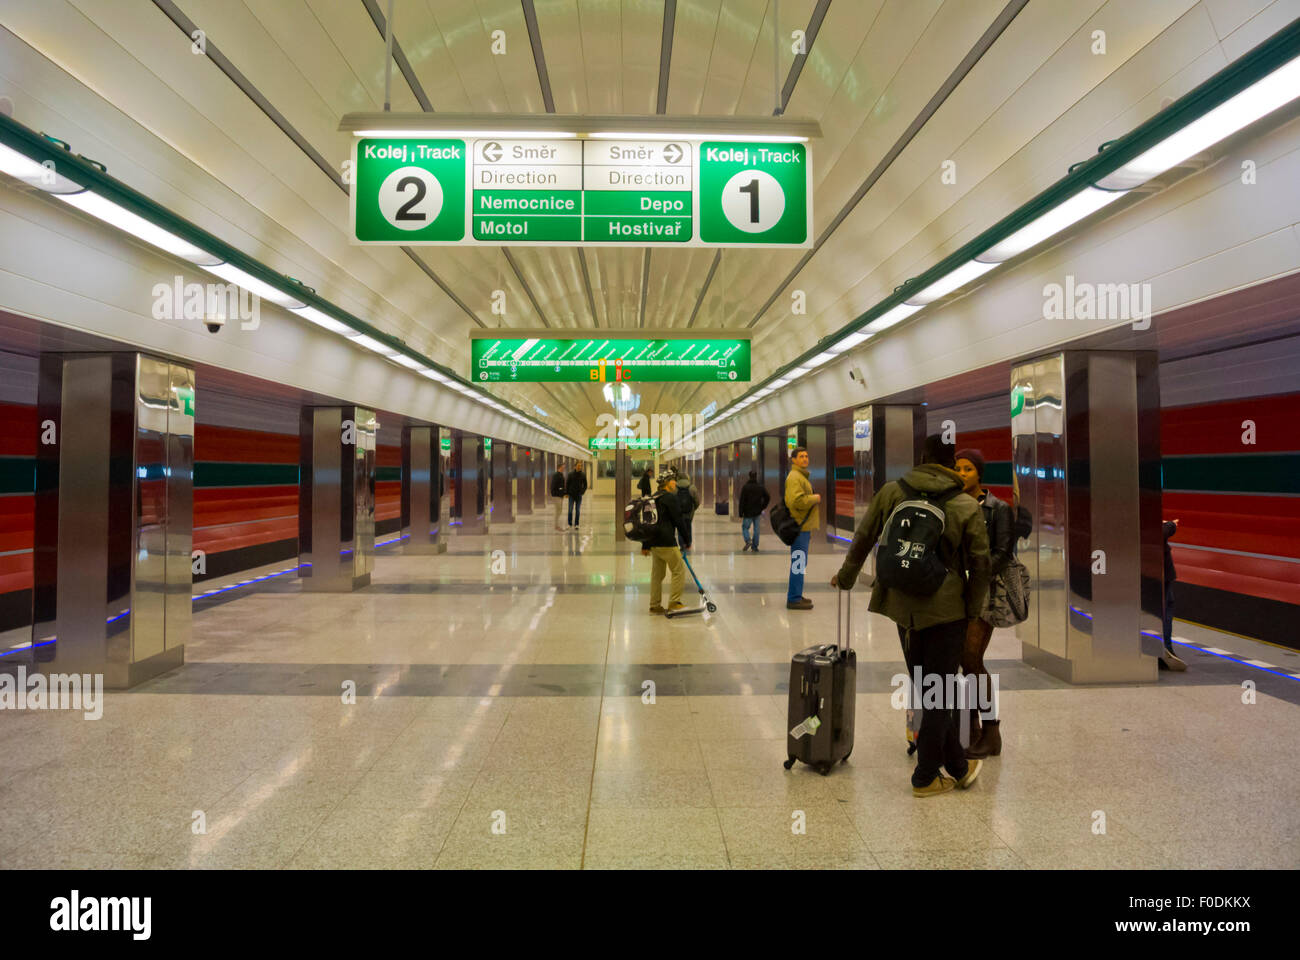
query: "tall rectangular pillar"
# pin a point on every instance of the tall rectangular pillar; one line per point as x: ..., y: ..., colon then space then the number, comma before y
x: 113, y: 516
x: 622, y: 487
x: 887, y: 442
x: 467, y: 484
x: 503, y: 481
x: 524, y: 480
x: 421, y: 491
x: 336, y: 497
x: 1085, y: 431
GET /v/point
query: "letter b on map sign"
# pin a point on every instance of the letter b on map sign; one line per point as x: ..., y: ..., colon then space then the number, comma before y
x: 409, y: 191
x: 753, y: 193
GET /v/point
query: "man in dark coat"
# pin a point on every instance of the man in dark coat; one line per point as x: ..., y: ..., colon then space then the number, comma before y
x: 754, y: 499
x: 575, y: 486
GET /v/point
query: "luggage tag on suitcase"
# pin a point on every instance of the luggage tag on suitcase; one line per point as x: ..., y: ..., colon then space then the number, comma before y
x: 808, y: 727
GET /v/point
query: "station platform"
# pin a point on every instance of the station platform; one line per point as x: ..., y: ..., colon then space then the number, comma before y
x: 501, y: 720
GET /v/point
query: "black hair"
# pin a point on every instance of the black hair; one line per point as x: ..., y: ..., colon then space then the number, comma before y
x: 753, y: 474
x: 937, y: 451
x: 796, y: 451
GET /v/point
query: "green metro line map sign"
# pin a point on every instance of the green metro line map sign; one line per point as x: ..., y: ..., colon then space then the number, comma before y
x: 573, y: 192
x: 613, y: 358
x: 630, y: 443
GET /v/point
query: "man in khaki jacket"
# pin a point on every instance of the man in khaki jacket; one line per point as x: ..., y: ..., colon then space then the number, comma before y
x: 932, y: 628
x: 802, y: 504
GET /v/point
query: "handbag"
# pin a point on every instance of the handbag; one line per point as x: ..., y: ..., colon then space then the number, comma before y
x: 786, y: 527
x: 1009, y: 596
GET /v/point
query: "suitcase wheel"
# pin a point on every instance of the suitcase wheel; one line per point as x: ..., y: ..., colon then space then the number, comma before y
x: 824, y: 768
x: 713, y: 607
x: 789, y: 763
x: 911, y: 748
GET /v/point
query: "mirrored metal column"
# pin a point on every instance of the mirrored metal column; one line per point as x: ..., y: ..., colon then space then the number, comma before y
x: 524, y: 463
x: 421, y: 489
x: 1086, y: 453
x: 113, y: 516
x: 503, y: 482
x: 622, y: 487
x: 887, y: 442
x: 468, y: 484
x: 336, y: 497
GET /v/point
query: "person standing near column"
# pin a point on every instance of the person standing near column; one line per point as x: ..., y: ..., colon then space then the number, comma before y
x: 941, y: 577
x: 1170, y: 660
x: 986, y: 738
x: 644, y: 483
x: 802, y: 503
x: 575, y: 486
x: 557, y: 492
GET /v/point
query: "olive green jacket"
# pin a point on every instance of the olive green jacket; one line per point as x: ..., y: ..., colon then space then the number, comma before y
x: 961, y: 597
x: 799, y: 498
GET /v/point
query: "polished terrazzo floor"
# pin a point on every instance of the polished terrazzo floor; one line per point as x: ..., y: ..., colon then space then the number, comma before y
x: 500, y: 722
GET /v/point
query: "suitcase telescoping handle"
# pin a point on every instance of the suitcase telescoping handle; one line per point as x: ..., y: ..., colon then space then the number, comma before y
x: 844, y: 606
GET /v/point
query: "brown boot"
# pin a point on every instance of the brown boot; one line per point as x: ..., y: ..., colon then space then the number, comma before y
x: 990, y: 744
x: 975, y: 730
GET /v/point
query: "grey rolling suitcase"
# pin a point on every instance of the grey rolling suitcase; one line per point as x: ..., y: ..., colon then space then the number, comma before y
x: 823, y: 697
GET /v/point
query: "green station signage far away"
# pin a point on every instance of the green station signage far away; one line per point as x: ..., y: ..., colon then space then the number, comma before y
x: 575, y: 192
x: 613, y: 358
x: 628, y: 443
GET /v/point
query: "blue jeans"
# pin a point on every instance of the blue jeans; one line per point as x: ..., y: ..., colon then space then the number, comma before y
x: 746, y: 525
x: 798, y: 561
x: 575, y: 510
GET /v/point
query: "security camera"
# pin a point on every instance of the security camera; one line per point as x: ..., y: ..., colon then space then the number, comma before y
x: 214, y: 324
x: 857, y: 374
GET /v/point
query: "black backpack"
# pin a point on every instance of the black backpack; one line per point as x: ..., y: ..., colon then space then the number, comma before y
x: 640, y: 519
x: 557, y: 484
x: 784, y: 525
x: 908, y: 556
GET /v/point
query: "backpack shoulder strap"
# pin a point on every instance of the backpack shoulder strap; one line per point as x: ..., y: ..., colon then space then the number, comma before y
x: 908, y: 492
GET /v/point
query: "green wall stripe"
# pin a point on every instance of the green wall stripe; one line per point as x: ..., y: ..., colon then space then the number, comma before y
x: 17, y: 475
x: 211, y: 474
x: 388, y: 473
x: 1234, y: 473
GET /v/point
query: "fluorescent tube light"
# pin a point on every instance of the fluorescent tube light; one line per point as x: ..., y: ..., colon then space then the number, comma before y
x: 24, y: 168
x: 408, y: 362
x: 853, y: 339
x: 889, y: 318
x: 324, y: 320
x: 1083, y: 204
x: 954, y: 280
x: 435, y: 375
x: 115, y: 216
x: 1259, y: 99
x: 778, y: 384
x: 818, y: 360
x: 233, y: 274
x: 370, y: 343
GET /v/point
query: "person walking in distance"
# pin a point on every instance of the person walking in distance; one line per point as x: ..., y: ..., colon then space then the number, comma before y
x: 754, y: 499
x: 985, y: 739
x: 932, y: 575
x: 644, y: 483
x: 575, y: 486
x: 802, y: 504
x: 557, y: 493
x: 663, y: 545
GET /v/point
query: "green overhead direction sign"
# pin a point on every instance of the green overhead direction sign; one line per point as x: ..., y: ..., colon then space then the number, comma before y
x: 628, y: 443
x: 574, y: 192
x: 611, y: 358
